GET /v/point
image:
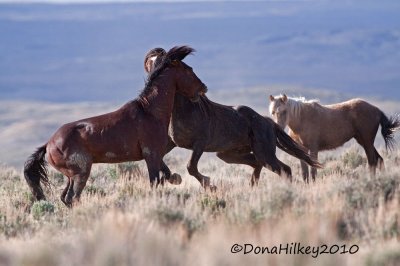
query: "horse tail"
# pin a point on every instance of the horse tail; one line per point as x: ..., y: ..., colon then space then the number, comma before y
x: 35, y: 172
x: 388, y: 127
x: 288, y: 145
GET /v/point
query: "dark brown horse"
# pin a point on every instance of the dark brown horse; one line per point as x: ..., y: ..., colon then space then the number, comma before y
x: 326, y: 127
x: 239, y: 135
x: 136, y: 131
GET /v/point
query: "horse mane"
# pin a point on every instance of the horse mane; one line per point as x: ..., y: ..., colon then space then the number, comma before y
x: 176, y: 53
x: 296, y: 104
x: 154, y: 52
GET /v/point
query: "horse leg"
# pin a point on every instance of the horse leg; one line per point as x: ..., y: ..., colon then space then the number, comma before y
x: 235, y: 157
x: 193, y: 170
x: 153, y: 163
x: 70, y: 193
x: 314, y: 156
x: 255, y: 177
x: 174, y: 178
x: 304, y: 171
x: 373, y: 156
x: 79, y: 184
x: 380, y: 163
x: 78, y: 169
x: 64, y: 193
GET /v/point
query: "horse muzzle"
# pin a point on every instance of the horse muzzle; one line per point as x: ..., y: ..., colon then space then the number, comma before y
x: 200, y: 93
x: 204, y: 90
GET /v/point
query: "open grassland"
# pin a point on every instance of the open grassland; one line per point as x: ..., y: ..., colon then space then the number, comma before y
x: 121, y: 221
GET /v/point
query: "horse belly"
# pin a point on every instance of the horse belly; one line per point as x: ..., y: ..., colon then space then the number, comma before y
x: 228, y: 136
x: 112, y: 145
x: 186, y: 133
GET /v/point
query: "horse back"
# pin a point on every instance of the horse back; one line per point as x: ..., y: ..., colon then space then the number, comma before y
x: 338, y: 123
x: 229, y: 129
x: 108, y: 137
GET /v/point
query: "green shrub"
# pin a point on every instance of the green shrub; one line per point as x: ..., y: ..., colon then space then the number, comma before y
x: 352, y: 159
x: 42, y: 208
x: 92, y: 190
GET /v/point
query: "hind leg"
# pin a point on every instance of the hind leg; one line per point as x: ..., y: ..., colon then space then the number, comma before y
x: 373, y: 156
x: 374, y: 159
x: 79, y: 185
x: 304, y: 171
x: 64, y: 193
x: 243, y: 157
x: 285, y: 170
x: 314, y: 156
x: 380, y: 163
x: 70, y: 193
x: 78, y: 172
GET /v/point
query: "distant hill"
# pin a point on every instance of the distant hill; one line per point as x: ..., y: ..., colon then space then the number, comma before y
x: 25, y: 125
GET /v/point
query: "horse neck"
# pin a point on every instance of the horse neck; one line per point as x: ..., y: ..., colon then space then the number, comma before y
x: 161, y: 98
x: 296, y: 115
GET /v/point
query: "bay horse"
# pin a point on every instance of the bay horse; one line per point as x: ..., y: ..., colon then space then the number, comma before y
x: 239, y: 135
x: 324, y: 127
x: 138, y: 130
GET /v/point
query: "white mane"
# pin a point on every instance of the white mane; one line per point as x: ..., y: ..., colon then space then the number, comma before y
x: 296, y: 104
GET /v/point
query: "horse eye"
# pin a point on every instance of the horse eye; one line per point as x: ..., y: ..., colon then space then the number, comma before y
x: 273, y: 113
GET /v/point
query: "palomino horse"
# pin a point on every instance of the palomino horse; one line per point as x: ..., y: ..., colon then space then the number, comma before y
x: 238, y: 135
x: 325, y: 127
x: 138, y: 130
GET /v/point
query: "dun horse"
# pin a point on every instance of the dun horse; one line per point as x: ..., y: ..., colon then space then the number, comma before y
x: 325, y: 127
x: 238, y: 135
x: 136, y: 131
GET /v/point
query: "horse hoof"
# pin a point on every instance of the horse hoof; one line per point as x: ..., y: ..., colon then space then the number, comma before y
x: 175, y: 179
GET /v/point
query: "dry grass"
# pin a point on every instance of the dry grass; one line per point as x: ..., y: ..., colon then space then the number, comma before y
x: 121, y: 221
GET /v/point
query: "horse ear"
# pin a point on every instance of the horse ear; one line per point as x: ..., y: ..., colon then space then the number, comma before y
x: 271, y: 98
x: 284, y: 98
x: 179, y: 52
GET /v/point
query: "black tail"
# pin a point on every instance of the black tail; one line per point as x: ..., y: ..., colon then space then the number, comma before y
x: 389, y: 127
x: 288, y: 145
x: 35, y: 172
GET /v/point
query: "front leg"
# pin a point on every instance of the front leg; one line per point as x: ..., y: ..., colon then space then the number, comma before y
x: 192, y: 168
x: 153, y: 158
x: 174, y: 178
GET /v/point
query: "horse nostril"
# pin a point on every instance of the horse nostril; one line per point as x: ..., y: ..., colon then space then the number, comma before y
x: 205, y: 89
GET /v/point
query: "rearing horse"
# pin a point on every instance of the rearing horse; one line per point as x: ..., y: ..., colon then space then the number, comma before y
x: 239, y: 135
x: 138, y: 130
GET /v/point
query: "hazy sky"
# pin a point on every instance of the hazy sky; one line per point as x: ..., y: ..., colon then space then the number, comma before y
x: 95, y: 52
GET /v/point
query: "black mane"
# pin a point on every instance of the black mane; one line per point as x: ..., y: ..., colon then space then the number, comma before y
x: 177, y: 53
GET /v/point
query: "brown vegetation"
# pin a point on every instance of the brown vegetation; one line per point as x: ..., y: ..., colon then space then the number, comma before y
x: 121, y: 221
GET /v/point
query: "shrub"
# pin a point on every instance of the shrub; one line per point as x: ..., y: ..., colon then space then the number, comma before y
x: 92, y: 190
x: 42, y: 208
x: 352, y: 159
